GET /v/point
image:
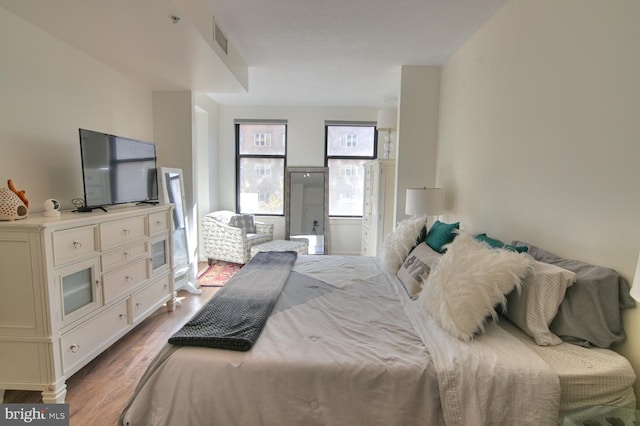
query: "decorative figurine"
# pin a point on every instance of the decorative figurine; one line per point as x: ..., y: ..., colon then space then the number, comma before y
x: 13, y: 203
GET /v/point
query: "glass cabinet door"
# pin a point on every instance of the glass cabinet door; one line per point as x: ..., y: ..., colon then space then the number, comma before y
x: 159, y: 256
x: 79, y: 288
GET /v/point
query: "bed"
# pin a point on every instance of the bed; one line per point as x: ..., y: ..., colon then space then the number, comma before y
x: 347, y: 342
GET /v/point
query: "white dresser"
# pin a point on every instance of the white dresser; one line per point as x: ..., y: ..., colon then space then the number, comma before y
x: 70, y: 286
x: 377, y: 212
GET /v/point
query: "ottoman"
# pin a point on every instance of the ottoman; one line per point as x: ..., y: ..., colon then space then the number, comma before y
x: 299, y: 246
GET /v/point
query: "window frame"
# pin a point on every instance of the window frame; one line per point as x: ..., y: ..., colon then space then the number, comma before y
x: 237, y: 123
x: 328, y: 157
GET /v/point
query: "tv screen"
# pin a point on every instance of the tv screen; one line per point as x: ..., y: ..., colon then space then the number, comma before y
x: 117, y: 170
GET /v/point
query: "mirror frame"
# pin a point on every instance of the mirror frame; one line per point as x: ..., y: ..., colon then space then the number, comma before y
x: 287, y: 200
x: 184, y: 275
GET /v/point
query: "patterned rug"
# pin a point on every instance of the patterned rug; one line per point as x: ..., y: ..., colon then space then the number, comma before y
x: 217, y: 274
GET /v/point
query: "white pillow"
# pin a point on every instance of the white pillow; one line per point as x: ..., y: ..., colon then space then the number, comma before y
x: 416, y: 268
x: 533, y: 307
x: 400, y: 242
x: 468, y: 282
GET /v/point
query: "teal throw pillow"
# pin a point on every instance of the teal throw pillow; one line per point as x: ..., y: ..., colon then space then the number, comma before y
x: 441, y: 234
x: 492, y: 242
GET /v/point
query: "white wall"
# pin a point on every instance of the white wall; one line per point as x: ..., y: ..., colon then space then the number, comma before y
x: 173, y: 118
x: 540, y: 136
x: 417, y: 132
x: 206, y: 159
x: 305, y: 147
x: 49, y: 90
x: 174, y: 122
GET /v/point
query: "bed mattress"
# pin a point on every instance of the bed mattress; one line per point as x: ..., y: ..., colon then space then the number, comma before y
x: 588, y: 376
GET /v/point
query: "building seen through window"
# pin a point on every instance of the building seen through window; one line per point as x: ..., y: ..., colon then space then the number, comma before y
x: 262, y: 139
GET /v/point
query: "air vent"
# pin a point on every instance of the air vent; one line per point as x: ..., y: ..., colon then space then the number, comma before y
x: 219, y: 37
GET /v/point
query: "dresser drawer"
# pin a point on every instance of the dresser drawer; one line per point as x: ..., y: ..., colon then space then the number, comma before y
x: 122, y: 231
x: 82, y: 341
x: 123, y: 280
x: 158, y: 222
x: 149, y: 297
x: 73, y: 244
x: 122, y: 255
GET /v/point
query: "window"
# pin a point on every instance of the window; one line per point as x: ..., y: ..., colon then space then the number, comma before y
x: 348, y: 147
x: 261, y: 148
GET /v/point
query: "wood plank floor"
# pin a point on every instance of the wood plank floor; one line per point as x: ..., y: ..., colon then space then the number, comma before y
x: 98, y: 392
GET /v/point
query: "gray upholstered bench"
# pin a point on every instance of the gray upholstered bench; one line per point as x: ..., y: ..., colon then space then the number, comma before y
x: 300, y: 246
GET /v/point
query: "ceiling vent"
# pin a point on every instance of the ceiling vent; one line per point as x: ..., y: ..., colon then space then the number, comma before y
x: 219, y: 37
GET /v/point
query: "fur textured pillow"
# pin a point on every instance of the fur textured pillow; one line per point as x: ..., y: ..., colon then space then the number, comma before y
x: 468, y: 282
x: 397, y: 245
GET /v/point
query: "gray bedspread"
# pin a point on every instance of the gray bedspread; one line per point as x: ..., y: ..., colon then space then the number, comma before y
x: 235, y: 317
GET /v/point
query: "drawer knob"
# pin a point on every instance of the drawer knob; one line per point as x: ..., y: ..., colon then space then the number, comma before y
x: 77, y: 244
x: 158, y: 223
x: 138, y: 304
x: 125, y: 231
x: 74, y: 348
x: 128, y: 278
x: 126, y: 254
x: 98, y: 283
x: 122, y: 316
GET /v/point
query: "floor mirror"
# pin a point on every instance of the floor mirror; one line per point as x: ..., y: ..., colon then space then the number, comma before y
x: 307, y: 206
x: 172, y: 192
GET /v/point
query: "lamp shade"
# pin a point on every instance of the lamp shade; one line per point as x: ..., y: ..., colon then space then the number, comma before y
x: 635, y: 286
x: 425, y: 201
x: 386, y: 119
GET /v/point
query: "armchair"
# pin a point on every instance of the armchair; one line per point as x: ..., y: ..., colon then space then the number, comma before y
x: 229, y: 236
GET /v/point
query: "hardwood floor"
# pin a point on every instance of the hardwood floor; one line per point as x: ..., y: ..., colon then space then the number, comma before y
x: 98, y: 392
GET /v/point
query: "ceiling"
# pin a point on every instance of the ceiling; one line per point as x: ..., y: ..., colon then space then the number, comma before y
x: 322, y: 52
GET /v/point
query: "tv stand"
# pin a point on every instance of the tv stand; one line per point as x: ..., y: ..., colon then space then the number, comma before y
x: 90, y: 209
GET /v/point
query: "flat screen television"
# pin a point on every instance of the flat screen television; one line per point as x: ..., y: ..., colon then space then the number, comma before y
x: 117, y: 170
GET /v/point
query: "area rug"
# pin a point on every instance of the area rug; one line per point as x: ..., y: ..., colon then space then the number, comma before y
x: 218, y: 273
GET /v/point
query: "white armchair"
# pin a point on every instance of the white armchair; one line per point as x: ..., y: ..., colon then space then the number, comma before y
x: 229, y: 236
